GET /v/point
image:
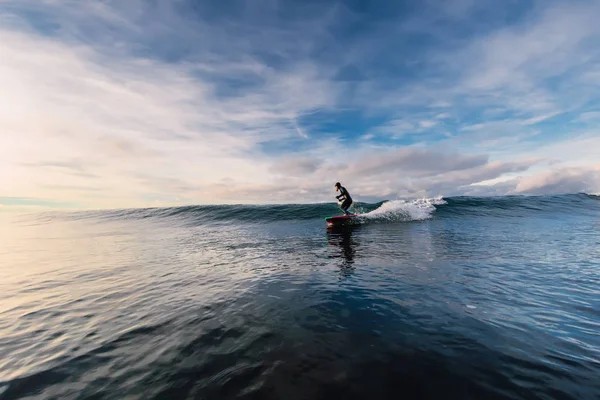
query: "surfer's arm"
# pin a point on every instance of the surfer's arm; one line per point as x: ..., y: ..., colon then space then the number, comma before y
x: 343, y: 194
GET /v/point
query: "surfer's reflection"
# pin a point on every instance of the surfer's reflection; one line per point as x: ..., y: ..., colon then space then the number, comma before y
x: 342, y: 237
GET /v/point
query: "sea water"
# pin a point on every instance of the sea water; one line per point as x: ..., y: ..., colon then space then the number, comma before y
x: 470, y: 298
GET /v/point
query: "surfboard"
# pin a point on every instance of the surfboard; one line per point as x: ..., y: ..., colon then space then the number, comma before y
x: 341, y: 219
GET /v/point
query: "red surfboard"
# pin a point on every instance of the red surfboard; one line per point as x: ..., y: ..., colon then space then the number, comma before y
x: 340, y: 219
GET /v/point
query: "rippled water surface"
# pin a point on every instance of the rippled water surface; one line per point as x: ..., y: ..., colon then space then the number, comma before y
x: 455, y: 298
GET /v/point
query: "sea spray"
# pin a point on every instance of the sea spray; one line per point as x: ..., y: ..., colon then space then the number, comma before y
x: 404, y: 210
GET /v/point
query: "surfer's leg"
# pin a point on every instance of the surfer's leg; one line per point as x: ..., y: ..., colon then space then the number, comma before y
x: 349, y: 205
x: 345, y: 205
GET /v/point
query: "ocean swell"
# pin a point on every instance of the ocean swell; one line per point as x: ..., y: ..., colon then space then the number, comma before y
x: 381, y: 212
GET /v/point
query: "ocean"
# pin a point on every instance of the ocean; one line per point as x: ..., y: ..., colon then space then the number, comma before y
x: 446, y: 298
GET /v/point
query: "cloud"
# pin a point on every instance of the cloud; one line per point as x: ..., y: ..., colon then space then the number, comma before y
x: 296, y: 166
x: 73, y: 167
x: 539, y: 118
x: 121, y: 103
x: 73, y: 188
x: 558, y: 180
x: 397, y: 128
x: 518, y: 57
x: 33, y: 203
x: 374, y: 174
x: 427, y: 124
x: 416, y: 162
x: 532, y: 70
x: 455, y: 181
x: 568, y: 180
x: 410, y: 125
x: 443, y: 115
x: 123, y: 114
x: 589, y: 116
x: 300, y: 131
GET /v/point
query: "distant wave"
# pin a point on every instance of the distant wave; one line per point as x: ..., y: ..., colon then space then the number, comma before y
x: 518, y: 205
x: 387, y: 211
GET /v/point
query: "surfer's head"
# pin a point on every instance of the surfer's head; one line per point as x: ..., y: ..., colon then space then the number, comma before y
x: 337, y: 185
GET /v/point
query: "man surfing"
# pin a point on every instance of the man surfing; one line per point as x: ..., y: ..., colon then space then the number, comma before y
x: 343, y: 195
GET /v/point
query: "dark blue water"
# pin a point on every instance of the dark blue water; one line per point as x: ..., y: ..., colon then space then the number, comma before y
x: 467, y: 298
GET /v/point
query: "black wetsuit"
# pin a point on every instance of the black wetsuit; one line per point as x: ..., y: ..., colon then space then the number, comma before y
x: 347, y: 199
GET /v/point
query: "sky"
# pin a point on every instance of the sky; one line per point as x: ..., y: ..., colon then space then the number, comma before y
x: 142, y: 103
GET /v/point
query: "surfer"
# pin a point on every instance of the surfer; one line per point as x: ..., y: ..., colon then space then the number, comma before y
x: 343, y: 195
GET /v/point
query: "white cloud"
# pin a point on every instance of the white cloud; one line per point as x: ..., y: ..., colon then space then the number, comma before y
x: 90, y: 115
x: 531, y: 71
x: 538, y: 119
x: 296, y: 166
x: 114, y: 115
x: 568, y: 180
x: 427, y: 124
x: 543, y: 47
x: 368, y: 136
x: 300, y: 131
x: 589, y: 116
x: 415, y: 162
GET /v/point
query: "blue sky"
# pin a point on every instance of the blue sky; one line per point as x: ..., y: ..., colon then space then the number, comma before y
x: 136, y: 103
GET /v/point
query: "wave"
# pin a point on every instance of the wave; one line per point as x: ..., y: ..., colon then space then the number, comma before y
x: 386, y: 211
x: 518, y: 206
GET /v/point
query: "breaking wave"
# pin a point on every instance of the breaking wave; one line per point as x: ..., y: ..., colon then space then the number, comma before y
x: 404, y: 210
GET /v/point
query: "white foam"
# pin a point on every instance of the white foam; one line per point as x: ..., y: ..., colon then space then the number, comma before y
x: 405, y: 210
